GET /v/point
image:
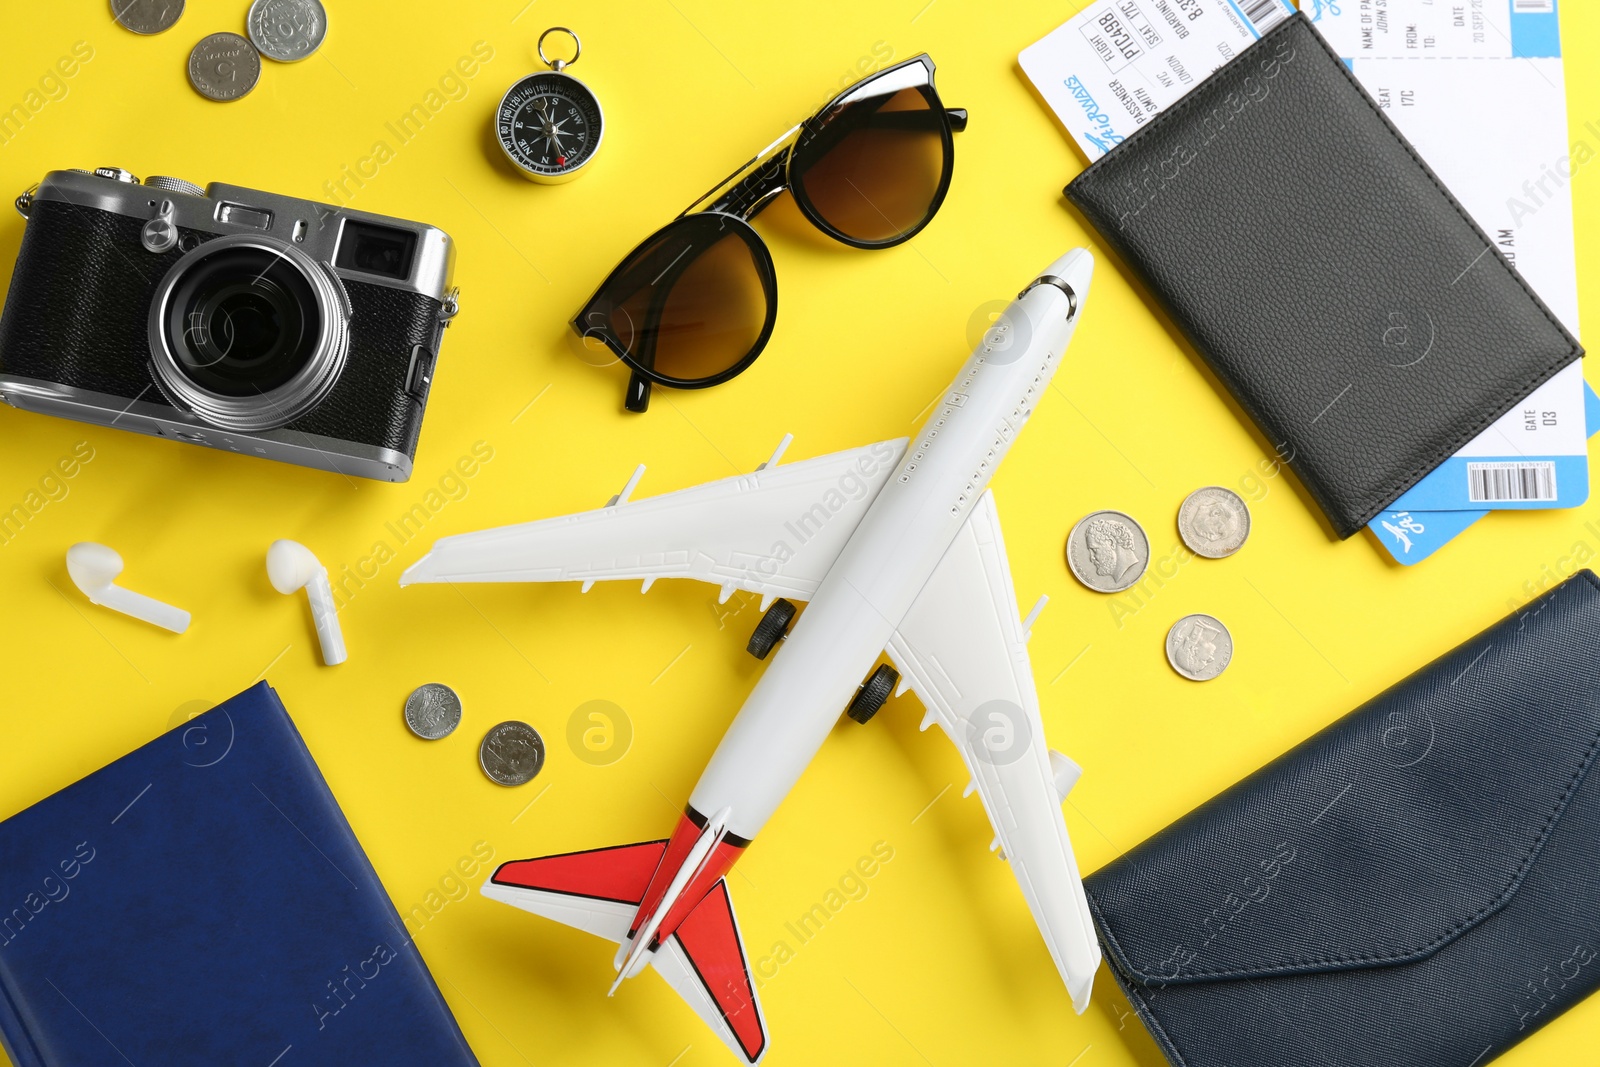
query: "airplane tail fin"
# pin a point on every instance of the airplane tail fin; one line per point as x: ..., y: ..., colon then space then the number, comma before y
x: 600, y: 890
x: 705, y: 963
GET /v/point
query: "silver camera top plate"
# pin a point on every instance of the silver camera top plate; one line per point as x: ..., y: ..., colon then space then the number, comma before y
x: 314, y: 228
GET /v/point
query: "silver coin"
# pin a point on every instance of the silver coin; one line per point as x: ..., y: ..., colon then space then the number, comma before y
x: 224, y: 67
x: 433, y: 711
x: 512, y: 753
x: 287, y: 30
x: 1199, y: 647
x: 1214, y: 522
x: 1108, y: 551
x: 146, y: 16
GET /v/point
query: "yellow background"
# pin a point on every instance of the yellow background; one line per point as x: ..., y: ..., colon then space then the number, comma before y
x: 939, y: 962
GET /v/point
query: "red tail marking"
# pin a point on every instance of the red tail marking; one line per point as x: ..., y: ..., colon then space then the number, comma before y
x: 677, y: 850
x: 621, y: 873
x: 710, y: 938
x: 717, y: 864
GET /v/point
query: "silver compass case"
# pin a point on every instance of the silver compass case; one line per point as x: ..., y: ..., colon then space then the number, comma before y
x: 532, y: 160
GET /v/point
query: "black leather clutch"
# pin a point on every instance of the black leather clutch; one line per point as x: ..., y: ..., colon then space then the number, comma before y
x: 1331, y: 282
x: 1415, y: 885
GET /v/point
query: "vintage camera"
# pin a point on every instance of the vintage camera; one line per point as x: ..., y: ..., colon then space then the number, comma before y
x: 227, y: 317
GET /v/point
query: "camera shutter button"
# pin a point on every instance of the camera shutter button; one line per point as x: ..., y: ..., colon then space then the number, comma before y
x: 116, y: 174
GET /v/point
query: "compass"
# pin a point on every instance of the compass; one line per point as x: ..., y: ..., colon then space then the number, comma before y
x: 549, y: 124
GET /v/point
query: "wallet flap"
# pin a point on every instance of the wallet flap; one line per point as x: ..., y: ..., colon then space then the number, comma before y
x: 1386, y: 836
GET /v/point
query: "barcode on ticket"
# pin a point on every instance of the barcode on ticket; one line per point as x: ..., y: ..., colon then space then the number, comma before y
x: 1263, y: 14
x: 1511, y: 481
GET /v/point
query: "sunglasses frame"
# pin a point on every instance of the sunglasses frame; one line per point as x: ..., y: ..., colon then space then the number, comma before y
x: 738, y: 198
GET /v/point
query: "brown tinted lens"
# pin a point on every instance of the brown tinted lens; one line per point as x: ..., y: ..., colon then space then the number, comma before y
x: 872, y: 168
x: 697, y: 305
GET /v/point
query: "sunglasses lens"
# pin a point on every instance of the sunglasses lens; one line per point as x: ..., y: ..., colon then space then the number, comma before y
x: 874, y: 168
x: 693, y: 302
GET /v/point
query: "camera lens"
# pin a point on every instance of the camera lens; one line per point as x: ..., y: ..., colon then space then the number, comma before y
x: 242, y: 321
x: 247, y: 333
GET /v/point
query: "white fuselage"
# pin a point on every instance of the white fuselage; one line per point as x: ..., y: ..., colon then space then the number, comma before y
x: 891, y: 556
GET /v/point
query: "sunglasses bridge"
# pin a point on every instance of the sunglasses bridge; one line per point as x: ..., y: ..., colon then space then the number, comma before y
x: 748, y: 190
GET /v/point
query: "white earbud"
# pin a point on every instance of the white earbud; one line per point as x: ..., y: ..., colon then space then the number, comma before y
x: 291, y: 566
x: 94, y: 569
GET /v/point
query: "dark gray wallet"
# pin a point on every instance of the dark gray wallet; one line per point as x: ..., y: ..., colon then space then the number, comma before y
x: 1418, y: 884
x: 1351, y: 307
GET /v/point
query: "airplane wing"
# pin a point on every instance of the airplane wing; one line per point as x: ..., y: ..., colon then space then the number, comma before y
x: 964, y: 650
x: 775, y: 532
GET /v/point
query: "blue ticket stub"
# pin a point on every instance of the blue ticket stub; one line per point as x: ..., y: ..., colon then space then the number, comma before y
x: 1412, y: 536
x: 1534, y: 457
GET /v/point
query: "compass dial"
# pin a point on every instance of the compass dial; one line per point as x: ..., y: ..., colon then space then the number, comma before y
x: 549, y: 125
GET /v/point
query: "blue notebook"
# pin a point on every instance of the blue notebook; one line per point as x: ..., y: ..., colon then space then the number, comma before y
x: 202, y: 901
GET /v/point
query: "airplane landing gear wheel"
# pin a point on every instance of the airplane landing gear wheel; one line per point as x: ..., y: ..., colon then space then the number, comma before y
x: 771, y: 629
x: 873, y: 693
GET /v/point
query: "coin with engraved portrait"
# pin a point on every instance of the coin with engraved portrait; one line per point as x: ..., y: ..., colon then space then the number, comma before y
x: 287, y: 30
x: 1199, y: 647
x: 224, y: 67
x: 146, y: 16
x: 1108, y: 551
x: 433, y: 711
x: 512, y: 753
x: 1214, y: 522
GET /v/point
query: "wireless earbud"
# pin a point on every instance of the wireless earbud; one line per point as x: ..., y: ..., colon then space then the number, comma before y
x: 94, y: 568
x: 291, y: 566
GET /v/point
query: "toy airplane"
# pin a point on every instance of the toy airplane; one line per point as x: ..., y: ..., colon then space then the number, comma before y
x: 897, y: 549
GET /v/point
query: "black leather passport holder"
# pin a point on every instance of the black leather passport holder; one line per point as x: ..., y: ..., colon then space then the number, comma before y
x: 1332, y: 283
x: 1416, y: 884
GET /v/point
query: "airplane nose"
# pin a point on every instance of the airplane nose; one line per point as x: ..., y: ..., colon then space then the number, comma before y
x: 1076, y: 268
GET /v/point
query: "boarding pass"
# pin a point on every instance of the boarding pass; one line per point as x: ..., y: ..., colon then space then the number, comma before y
x: 1451, y: 29
x: 1117, y: 64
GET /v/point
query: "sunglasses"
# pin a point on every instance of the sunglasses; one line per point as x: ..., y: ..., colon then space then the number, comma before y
x: 694, y: 304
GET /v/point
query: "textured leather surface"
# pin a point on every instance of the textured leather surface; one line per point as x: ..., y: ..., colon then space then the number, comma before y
x: 79, y: 301
x: 79, y: 304
x: 1331, y: 282
x: 202, y: 901
x: 1416, y: 884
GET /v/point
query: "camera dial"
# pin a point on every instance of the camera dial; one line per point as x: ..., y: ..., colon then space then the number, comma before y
x: 173, y: 185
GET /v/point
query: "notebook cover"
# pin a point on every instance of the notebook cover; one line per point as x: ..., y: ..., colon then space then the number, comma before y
x: 1413, y: 885
x: 202, y: 901
x: 1356, y: 313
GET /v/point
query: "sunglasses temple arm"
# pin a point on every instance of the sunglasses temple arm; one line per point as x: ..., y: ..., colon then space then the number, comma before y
x: 638, y: 395
x: 957, y: 117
